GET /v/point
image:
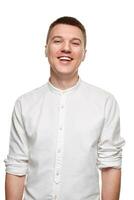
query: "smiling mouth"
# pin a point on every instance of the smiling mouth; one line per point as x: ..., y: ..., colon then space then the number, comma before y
x: 65, y: 58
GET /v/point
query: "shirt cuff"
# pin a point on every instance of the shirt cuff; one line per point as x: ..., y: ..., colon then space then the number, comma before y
x: 110, y: 155
x: 114, y: 164
x: 16, y: 166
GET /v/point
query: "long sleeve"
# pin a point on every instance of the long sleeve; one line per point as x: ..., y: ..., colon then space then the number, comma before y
x: 110, y: 143
x: 17, y: 158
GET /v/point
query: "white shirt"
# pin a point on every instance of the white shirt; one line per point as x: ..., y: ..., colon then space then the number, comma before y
x: 60, y: 138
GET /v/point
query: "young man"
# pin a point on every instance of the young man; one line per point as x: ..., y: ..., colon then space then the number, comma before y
x: 66, y: 129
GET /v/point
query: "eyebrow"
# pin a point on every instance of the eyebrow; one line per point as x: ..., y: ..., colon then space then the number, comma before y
x: 56, y: 36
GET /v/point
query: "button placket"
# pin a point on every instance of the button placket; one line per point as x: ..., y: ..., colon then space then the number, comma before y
x: 60, y: 139
x: 60, y: 134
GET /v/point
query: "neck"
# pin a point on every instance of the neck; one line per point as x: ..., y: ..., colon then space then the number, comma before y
x: 63, y: 82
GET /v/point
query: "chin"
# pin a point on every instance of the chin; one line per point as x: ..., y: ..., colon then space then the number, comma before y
x: 64, y: 71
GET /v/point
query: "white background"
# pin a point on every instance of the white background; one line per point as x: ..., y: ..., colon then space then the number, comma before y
x: 109, y: 62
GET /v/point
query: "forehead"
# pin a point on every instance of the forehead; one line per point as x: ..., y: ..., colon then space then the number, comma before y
x: 67, y: 31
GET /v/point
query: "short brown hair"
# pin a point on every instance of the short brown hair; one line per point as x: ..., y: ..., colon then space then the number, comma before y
x: 69, y: 21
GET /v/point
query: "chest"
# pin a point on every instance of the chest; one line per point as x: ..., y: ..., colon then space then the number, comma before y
x: 79, y: 120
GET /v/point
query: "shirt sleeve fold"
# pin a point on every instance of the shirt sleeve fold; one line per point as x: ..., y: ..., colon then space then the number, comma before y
x: 17, y: 159
x: 110, y: 142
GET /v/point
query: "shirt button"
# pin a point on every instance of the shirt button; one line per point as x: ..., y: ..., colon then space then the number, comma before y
x: 59, y: 151
x: 62, y: 106
x: 57, y: 173
x: 60, y: 128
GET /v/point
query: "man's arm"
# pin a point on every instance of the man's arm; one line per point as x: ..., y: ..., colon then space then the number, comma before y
x: 111, y: 182
x: 14, y: 186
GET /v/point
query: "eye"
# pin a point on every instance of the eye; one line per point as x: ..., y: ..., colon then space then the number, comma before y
x: 76, y: 43
x: 57, y: 41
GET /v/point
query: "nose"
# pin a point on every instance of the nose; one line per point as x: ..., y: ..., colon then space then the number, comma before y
x: 66, y: 47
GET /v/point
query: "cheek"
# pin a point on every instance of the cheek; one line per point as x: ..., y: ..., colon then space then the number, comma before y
x: 53, y: 52
x: 79, y: 55
x: 50, y: 51
x: 55, y: 48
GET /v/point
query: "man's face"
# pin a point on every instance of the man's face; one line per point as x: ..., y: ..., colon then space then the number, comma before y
x: 65, y: 49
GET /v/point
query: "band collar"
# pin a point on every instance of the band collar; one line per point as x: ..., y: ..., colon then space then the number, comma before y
x: 65, y: 91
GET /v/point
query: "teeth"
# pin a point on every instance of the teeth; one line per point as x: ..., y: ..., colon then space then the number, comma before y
x: 65, y: 58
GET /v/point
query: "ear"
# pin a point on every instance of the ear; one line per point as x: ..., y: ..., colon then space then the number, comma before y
x: 46, y: 50
x: 84, y: 55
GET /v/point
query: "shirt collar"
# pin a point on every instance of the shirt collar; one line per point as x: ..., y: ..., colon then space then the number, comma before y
x: 65, y: 91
